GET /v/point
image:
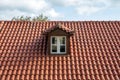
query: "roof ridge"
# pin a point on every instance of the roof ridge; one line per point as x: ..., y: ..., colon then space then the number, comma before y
x: 63, y: 21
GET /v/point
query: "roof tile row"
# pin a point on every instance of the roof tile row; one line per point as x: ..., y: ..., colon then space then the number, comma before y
x: 94, y: 51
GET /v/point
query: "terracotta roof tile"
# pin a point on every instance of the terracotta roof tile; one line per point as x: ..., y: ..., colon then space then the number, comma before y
x: 94, y: 51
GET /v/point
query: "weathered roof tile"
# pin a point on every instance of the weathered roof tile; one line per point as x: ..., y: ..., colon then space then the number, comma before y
x: 94, y: 51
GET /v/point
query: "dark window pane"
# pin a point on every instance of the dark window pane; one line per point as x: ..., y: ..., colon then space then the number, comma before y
x: 63, y: 41
x: 54, y: 48
x: 62, y: 48
x: 54, y: 40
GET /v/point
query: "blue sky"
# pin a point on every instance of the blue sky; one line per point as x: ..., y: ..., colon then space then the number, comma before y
x: 70, y: 10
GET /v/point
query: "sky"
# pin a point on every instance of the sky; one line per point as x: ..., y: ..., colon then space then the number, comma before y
x: 62, y: 10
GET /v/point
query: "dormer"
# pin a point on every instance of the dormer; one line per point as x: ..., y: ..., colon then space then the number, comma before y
x: 58, y: 39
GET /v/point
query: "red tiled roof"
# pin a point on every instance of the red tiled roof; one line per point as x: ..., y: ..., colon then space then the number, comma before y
x: 94, y: 51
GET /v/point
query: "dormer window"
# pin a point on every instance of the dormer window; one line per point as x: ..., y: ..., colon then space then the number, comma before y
x: 58, y: 40
x: 58, y: 44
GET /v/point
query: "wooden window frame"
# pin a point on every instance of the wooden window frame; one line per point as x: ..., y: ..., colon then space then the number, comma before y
x: 58, y: 32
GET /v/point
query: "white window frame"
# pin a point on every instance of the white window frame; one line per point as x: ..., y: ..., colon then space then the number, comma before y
x: 58, y: 45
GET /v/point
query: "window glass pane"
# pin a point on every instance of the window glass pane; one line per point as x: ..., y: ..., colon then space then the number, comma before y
x: 54, y: 40
x: 62, y: 48
x: 54, y: 48
x: 62, y: 40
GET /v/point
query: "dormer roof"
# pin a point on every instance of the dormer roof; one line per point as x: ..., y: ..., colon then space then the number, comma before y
x: 61, y: 27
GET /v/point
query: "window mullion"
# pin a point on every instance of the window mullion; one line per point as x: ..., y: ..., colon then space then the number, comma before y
x: 58, y: 45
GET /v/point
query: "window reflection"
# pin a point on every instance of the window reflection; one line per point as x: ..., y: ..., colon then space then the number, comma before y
x: 54, y: 40
x: 62, y: 40
x: 54, y: 48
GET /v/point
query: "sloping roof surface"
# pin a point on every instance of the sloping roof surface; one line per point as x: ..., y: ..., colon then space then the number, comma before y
x: 94, y: 51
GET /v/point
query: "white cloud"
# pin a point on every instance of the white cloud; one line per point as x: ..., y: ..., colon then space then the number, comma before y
x: 115, y: 3
x: 53, y: 13
x: 12, y: 8
x: 27, y: 4
x: 7, y: 14
x: 86, y: 7
x: 82, y: 2
x: 72, y: 2
x: 87, y: 10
